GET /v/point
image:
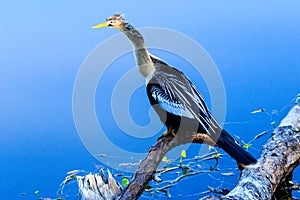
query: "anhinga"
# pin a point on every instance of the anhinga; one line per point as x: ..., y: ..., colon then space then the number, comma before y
x: 174, y: 97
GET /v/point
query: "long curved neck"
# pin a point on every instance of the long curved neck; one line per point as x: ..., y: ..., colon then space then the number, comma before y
x: 142, y: 56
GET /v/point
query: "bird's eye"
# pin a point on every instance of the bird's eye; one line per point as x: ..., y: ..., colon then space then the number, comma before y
x: 110, y: 22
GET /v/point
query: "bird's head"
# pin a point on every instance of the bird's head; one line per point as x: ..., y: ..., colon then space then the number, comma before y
x: 115, y: 21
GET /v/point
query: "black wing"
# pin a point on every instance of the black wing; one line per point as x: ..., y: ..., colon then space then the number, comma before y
x: 176, y: 94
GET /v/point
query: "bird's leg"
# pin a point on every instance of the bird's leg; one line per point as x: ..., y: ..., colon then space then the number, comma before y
x: 168, y: 132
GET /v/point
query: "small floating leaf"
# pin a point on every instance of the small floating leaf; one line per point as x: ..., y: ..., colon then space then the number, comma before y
x: 227, y: 174
x: 166, y: 160
x: 73, y: 171
x: 258, y: 111
x: 260, y: 134
x: 246, y: 146
x: 125, y: 182
x: 183, y: 153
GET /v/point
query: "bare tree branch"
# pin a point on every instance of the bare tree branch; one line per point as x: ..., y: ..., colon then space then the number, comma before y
x: 148, y: 166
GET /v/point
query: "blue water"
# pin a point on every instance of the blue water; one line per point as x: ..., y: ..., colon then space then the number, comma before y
x: 255, y: 46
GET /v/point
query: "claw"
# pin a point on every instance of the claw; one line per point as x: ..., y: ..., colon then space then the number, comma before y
x: 167, y: 133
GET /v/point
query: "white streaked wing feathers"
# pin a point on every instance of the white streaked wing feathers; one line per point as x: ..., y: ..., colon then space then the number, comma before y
x: 168, y: 104
x: 179, y: 96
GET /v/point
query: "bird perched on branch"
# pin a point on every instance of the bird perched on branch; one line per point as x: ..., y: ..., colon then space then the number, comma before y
x: 174, y: 97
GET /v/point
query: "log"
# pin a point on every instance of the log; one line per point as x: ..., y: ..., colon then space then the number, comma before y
x: 280, y: 156
x: 98, y: 186
x: 269, y: 179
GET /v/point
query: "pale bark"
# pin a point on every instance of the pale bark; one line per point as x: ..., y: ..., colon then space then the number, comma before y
x: 279, y: 157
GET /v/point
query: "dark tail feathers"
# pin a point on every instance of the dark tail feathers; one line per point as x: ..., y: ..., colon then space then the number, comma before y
x: 228, y: 144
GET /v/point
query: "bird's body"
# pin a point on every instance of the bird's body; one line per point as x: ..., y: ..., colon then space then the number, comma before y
x: 175, y: 98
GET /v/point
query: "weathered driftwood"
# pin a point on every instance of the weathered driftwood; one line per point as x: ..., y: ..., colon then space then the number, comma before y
x: 98, y: 186
x: 267, y: 180
x: 280, y: 156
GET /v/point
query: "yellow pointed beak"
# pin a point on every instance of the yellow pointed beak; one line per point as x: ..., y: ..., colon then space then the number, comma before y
x: 102, y: 25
